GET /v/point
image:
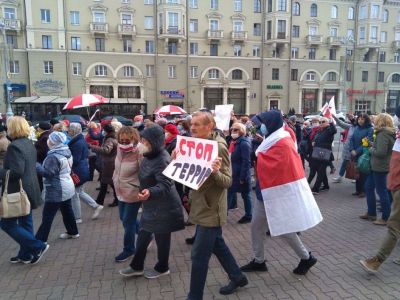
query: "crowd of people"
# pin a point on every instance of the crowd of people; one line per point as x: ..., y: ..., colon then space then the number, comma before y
x: 56, y: 159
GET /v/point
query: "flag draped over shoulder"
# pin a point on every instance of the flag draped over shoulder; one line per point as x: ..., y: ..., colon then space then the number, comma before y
x: 289, y: 203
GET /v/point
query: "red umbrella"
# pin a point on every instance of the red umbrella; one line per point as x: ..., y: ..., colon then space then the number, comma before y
x: 85, y: 100
x: 169, y: 110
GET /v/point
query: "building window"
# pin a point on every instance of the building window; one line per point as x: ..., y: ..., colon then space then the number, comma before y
x: 314, y: 10
x: 99, y: 17
x: 334, y: 12
x: 129, y: 71
x: 100, y: 44
x: 256, y: 73
x: 313, y: 30
x: 77, y: 68
x: 127, y: 44
x: 364, y: 76
x: 375, y: 11
x: 9, y: 13
x: 332, y: 54
x: 398, y: 18
x: 382, y: 56
x: 396, y: 78
x: 214, y: 25
x: 12, y: 40
x: 149, y: 70
x: 257, y: 6
x: 385, y: 16
x: 237, y: 26
x: 237, y: 5
x: 296, y: 9
x: 172, y: 71
x: 194, y: 25
x: 237, y: 50
x: 148, y: 22
x: 275, y: 74
x: 75, y: 43
x: 295, y: 52
x: 48, y: 67
x: 363, y: 12
x: 296, y: 31
x: 312, y: 53
x: 148, y: 2
x: 214, y: 49
x: 362, y: 35
x: 269, y: 30
x: 172, y: 47
x: 193, y: 4
x: 383, y: 36
x: 214, y: 4
x: 173, y: 23
x: 333, y: 31
x: 350, y: 34
x: 14, y: 67
x: 331, y: 76
x: 126, y: 19
x: 256, y: 51
x: 149, y: 46
x: 194, y: 71
x: 194, y: 48
x: 363, y: 106
x: 100, y: 70
x: 213, y: 74
x: 381, y: 76
x: 47, y: 42
x: 45, y: 15
x: 281, y: 29
x: 310, y: 76
x: 282, y: 5
x: 374, y: 34
x: 348, y: 75
x: 74, y: 17
x: 397, y: 36
x: 294, y: 73
x: 257, y: 29
x: 237, y: 74
x: 350, y: 13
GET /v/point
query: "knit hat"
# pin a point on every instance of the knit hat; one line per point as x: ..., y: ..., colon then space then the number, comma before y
x: 57, y: 138
x: 44, y: 125
x: 155, y: 136
x: 171, y: 128
x: 138, y: 118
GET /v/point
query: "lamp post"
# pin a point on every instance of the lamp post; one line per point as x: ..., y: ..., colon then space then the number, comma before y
x: 6, y: 71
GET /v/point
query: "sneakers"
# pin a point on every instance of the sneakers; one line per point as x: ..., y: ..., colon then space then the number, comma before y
x: 305, y: 265
x: 314, y: 192
x: 233, y: 286
x: 244, y: 220
x: 129, y: 272
x: 65, y: 236
x: 78, y: 221
x: 366, y: 216
x: 254, y: 266
x: 97, y: 212
x: 371, y: 265
x: 39, y: 256
x: 380, y: 222
x: 153, y: 274
x: 337, y: 179
x: 190, y: 241
x: 123, y: 256
x: 324, y: 189
x: 16, y: 260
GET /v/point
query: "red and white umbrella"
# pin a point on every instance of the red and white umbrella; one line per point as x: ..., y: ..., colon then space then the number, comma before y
x: 85, y: 100
x: 170, y: 110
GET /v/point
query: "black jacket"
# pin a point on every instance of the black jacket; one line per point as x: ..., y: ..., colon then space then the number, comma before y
x: 20, y: 159
x: 41, y: 146
x: 324, y: 137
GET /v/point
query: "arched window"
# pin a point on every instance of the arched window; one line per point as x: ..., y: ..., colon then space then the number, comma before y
x: 213, y: 74
x: 310, y: 76
x: 331, y: 76
x: 350, y: 14
x: 129, y: 71
x: 334, y: 12
x: 314, y: 10
x: 385, y: 16
x: 100, y: 70
x: 296, y: 9
x: 396, y: 78
x: 237, y: 74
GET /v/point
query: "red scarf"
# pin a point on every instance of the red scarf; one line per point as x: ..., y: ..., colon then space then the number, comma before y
x: 232, y: 146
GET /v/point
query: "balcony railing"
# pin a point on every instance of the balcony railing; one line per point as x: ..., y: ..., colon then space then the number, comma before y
x: 335, y: 41
x: 98, y: 28
x: 239, y: 35
x: 215, y: 34
x: 171, y: 31
x: 11, y: 24
x: 314, y: 39
x: 281, y: 35
x: 126, y: 29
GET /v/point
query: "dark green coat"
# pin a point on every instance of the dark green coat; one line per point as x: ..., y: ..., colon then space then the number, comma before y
x: 381, y: 151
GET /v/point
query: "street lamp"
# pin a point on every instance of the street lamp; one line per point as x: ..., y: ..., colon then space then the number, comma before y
x: 6, y: 71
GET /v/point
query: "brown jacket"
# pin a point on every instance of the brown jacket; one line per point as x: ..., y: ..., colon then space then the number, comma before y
x: 394, y: 172
x: 107, y: 152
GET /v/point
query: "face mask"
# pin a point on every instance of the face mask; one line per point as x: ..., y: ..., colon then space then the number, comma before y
x: 234, y: 135
x: 126, y: 148
x: 264, y: 130
x: 137, y: 124
x: 180, y: 128
x: 142, y: 148
x: 315, y: 124
x: 103, y: 133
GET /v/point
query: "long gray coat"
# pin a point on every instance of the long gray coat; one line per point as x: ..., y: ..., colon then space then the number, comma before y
x: 20, y: 159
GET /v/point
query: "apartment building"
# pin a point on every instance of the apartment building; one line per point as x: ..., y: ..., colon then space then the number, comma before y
x: 255, y: 54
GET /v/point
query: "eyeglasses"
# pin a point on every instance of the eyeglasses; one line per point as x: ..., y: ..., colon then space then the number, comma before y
x: 234, y: 129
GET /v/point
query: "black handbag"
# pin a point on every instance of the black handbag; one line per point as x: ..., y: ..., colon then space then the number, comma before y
x: 321, y: 154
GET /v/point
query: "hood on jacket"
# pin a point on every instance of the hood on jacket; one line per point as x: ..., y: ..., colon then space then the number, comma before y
x: 60, y: 150
x: 155, y: 136
x: 271, y: 119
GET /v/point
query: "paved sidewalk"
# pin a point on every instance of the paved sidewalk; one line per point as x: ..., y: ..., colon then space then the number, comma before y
x: 85, y: 268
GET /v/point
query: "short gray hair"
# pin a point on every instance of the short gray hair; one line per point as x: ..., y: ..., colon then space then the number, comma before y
x: 75, y: 129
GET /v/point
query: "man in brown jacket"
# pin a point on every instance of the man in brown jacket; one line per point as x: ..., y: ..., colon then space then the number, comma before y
x: 209, y: 212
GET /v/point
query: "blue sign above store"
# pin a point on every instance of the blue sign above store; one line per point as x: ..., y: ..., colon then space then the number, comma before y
x: 173, y: 94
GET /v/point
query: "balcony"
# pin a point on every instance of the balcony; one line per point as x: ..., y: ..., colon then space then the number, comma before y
x: 215, y: 34
x: 172, y: 32
x: 314, y: 40
x: 98, y: 28
x: 396, y: 45
x: 126, y: 29
x: 335, y: 41
x: 363, y: 43
x: 239, y: 36
x: 11, y: 24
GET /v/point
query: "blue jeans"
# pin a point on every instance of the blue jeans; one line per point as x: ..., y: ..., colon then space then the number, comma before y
x: 49, y: 212
x: 209, y: 240
x: 232, y: 198
x: 377, y: 181
x: 343, y: 166
x: 128, y: 216
x: 21, y: 230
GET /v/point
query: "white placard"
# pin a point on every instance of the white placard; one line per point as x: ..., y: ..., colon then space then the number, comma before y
x: 223, y: 116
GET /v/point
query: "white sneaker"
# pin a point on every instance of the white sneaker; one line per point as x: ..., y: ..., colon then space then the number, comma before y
x: 65, y: 236
x: 97, y: 212
x: 78, y: 221
x: 337, y: 179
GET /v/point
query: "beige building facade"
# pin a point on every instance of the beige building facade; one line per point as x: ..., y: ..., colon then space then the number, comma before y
x: 256, y: 54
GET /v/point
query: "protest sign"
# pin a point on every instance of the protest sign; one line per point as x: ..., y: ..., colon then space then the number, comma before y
x: 223, y: 116
x: 192, y: 165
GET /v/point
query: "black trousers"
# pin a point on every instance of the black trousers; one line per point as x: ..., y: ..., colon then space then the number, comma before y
x: 360, y: 182
x: 102, y: 193
x: 163, y: 241
x: 322, y: 178
x: 92, y: 167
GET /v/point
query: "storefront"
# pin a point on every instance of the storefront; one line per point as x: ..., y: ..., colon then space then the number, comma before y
x: 310, y: 101
x: 328, y: 94
x: 212, y: 97
x: 237, y: 97
x: 393, y: 101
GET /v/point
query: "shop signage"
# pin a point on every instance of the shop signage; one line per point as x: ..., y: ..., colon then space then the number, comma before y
x: 352, y: 91
x: 274, y: 87
x: 48, y: 86
x: 173, y: 94
x: 373, y: 92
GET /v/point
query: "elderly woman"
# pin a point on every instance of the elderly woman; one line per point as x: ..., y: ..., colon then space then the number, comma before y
x: 80, y: 167
x: 94, y: 130
x: 20, y: 160
x: 381, y: 152
x: 126, y: 183
x: 162, y: 211
x: 240, y: 151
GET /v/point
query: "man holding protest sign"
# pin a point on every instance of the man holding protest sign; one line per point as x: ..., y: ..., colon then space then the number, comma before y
x: 209, y: 213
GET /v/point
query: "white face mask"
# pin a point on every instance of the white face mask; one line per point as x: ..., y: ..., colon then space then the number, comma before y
x: 235, y: 136
x: 142, y: 148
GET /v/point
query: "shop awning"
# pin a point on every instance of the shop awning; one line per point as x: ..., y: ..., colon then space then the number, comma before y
x: 60, y: 101
x: 24, y: 99
x: 44, y: 99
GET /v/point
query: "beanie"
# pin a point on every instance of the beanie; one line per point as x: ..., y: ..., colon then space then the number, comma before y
x: 57, y: 138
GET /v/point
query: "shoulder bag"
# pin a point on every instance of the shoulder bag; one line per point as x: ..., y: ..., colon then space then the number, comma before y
x: 14, y: 205
x: 321, y: 154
